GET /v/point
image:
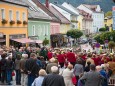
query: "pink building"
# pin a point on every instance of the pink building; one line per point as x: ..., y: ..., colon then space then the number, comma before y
x: 54, y: 28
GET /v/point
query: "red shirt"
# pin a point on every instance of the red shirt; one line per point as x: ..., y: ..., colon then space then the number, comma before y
x: 49, y: 55
x: 71, y: 57
x: 61, y: 58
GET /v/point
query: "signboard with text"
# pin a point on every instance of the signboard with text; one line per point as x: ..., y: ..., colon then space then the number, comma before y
x: 113, y: 13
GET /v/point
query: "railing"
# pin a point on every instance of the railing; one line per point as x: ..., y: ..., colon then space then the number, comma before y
x: 111, y: 82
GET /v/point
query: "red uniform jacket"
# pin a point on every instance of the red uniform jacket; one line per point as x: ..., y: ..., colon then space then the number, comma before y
x: 71, y: 57
x: 49, y: 55
x: 61, y: 58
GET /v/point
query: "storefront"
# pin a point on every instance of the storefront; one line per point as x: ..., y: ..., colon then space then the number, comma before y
x: 57, y: 40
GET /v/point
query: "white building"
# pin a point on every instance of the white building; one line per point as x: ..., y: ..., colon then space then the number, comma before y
x: 70, y: 7
x: 97, y: 15
x: 71, y: 16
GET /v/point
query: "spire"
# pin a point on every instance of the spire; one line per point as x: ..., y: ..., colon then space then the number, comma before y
x: 47, y: 3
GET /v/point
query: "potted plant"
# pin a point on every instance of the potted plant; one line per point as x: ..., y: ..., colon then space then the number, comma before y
x: 4, y: 21
x: 19, y: 22
x: 25, y: 22
x: 12, y: 22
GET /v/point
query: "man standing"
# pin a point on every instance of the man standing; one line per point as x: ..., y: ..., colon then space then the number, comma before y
x: 71, y: 57
x: 32, y: 68
x: 53, y: 79
x: 92, y: 78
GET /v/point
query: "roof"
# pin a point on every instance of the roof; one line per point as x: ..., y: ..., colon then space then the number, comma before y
x: 45, y: 9
x: 59, y: 15
x: 86, y: 15
x: 17, y: 2
x: 35, y: 12
x: 69, y: 11
x: 92, y: 7
x: 108, y: 17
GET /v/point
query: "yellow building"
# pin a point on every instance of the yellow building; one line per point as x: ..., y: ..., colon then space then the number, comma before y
x: 13, y: 21
x: 108, y: 21
x: 64, y: 28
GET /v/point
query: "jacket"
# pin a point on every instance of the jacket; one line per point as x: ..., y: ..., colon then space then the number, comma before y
x: 53, y: 80
x: 71, y: 57
x: 61, y: 58
x: 92, y: 78
x: 67, y: 74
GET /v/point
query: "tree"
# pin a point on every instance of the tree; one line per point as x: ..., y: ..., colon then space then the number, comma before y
x: 105, y: 36
x: 74, y: 33
x: 111, y: 45
x: 109, y: 13
x: 103, y: 29
x: 45, y: 42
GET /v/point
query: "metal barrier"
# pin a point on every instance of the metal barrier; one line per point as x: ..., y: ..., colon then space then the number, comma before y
x: 111, y: 82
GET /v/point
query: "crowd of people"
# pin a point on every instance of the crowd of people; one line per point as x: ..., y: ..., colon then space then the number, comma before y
x: 55, y: 67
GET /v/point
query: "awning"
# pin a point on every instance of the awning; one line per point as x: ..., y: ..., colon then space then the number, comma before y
x: 23, y: 40
x: 39, y: 41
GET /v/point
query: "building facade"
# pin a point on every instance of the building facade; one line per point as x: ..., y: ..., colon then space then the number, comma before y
x: 97, y: 16
x: 108, y: 22
x: 13, y: 20
x: 85, y: 21
x: 38, y: 23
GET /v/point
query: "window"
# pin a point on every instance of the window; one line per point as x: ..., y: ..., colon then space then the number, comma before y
x: 3, y: 13
x: 23, y: 16
x: 17, y: 15
x: 47, y: 29
x: 44, y: 31
x: 10, y: 15
x: 39, y: 30
x: 33, y: 30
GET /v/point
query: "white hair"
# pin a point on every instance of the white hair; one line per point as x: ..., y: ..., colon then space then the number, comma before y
x: 52, y: 60
x: 42, y: 72
x: 54, y: 69
x: 24, y: 55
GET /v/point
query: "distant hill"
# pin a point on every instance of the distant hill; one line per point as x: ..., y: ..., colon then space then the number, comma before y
x: 106, y: 5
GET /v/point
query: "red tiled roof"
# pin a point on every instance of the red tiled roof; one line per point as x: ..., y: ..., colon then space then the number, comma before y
x: 59, y: 15
x: 86, y: 15
x: 45, y: 9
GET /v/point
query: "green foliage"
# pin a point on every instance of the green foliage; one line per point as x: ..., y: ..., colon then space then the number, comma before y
x: 74, y: 33
x: 45, y: 42
x: 98, y: 39
x: 111, y: 44
x: 105, y: 36
x: 103, y: 29
x: 109, y: 13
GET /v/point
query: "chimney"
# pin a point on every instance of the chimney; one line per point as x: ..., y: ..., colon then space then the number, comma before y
x: 47, y: 3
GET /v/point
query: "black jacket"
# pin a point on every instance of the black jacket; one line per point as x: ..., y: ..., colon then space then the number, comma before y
x: 3, y: 64
x: 9, y: 64
x: 32, y: 66
x: 53, y: 80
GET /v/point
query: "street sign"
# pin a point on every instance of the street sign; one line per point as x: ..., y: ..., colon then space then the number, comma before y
x: 113, y: 13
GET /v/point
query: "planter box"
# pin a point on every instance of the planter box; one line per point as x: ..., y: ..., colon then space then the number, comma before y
x: 12, y: 22
x: 25, y: 22
x: 19, y: 22
x: 4, y: 21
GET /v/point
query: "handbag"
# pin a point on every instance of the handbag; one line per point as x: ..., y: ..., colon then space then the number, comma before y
x: 74, y: 80
x: 13, y: 74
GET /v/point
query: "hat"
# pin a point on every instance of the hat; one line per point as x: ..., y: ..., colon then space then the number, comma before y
x: 104, y: 54
x: 111, y: 53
